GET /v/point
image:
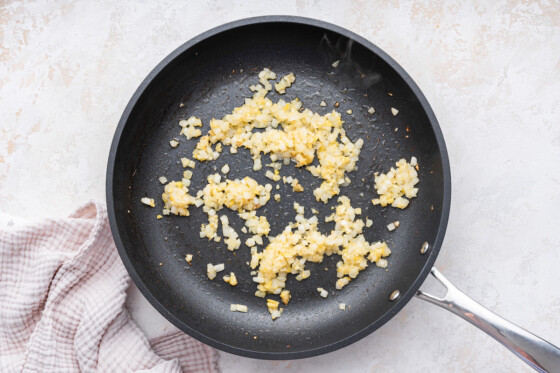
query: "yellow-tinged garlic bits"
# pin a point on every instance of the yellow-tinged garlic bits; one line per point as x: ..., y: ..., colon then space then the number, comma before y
x: 238, y: 308
x: 301, y: 241
x: 189, y: 127
x: 355, y: 248
x: 231, y: 237
x: 257, y: 224
x: 230, y: 279
x: 204, y: 151
x: 212, y: 270
x: 397, y: 182
x: 272, y: 306
x: 187, y: 163
x: 177, y: 199
x: 265, y: 76
x: 285, y: 296
x: 285, y: 82
x: 209, y: 230
x: 290, y: 132
x: 296, y: 186
x: 238, y: 195
x: 322, y: 292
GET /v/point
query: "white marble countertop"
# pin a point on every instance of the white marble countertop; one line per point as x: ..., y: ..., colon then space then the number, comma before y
x: 491, y: 71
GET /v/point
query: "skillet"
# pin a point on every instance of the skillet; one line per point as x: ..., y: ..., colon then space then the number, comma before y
x: 209, y: 76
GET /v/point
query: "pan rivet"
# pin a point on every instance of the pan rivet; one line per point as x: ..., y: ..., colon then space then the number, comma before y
x: 394, y: 295
x: 424, y: 248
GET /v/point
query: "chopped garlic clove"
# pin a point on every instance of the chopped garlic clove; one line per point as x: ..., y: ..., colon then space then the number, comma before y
x: 322, y: 292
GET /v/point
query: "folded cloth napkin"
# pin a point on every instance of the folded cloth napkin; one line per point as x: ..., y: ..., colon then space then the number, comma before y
x: 62, y: 294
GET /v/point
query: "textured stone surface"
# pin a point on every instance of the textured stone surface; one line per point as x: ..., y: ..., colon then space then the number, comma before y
x: 490, y: 69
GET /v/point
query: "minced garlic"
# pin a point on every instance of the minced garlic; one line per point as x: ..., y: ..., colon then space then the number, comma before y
x: 397, y: 182
x: 290, y: 132
x: 301, y: 241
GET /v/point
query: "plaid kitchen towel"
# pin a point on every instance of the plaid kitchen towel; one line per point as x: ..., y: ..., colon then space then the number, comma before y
x: 62, y: 294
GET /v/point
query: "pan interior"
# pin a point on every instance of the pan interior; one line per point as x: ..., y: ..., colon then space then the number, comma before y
x: 210, y: 79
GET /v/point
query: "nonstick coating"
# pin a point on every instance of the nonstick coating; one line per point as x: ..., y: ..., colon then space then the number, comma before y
x: 210, y: 76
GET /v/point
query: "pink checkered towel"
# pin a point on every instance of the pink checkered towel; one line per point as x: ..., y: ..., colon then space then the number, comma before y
x: 62, y: 293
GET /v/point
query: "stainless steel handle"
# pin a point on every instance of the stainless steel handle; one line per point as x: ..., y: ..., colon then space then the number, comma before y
x: 538, y: 353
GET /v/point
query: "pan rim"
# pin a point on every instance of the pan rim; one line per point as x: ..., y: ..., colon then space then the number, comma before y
x: 405, y: 297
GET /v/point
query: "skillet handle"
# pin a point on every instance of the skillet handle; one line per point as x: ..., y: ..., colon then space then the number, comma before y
x: 538, y: 353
